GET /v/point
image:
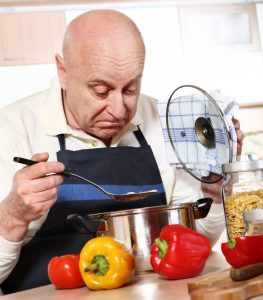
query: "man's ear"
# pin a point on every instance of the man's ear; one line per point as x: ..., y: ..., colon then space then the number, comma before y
x: 61, y: 71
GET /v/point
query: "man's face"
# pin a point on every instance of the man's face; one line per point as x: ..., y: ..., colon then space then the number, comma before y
x: 102, y: 92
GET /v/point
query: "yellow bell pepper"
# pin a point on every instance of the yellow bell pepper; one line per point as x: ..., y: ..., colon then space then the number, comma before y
x: 106, y: 263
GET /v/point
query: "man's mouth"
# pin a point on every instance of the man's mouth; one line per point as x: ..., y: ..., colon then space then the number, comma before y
x: 111, y: 125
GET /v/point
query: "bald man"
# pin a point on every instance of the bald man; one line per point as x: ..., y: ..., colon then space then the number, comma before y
x: 93, y: 121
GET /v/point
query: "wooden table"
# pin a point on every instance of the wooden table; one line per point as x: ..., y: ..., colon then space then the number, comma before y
x: 145, y: 287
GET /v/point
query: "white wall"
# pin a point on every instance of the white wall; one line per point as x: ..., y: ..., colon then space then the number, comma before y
x: 20, y: 81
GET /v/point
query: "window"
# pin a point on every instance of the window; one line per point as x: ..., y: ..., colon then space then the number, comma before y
x: 220, y: 27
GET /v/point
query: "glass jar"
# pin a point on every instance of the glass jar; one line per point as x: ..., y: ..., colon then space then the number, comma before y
x: 254, y: 222
x: 242, y: 191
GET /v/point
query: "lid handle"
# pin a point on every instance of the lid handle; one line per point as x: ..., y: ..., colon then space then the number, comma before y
x: 202, y: 207
x: 84, y: 224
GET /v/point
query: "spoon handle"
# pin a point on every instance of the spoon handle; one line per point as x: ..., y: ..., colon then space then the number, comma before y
x: 24, y: 161
x: 30, y: 162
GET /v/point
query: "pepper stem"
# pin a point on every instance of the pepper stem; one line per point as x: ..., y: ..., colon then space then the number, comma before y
x: 232, y: 243
x: 99, y: 265
x: 162, y: 246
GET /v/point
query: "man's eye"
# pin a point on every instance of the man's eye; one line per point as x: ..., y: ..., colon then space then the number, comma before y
x: 101, y: 92
x: 131, y: 91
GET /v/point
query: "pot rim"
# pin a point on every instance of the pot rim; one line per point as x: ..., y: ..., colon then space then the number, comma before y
x: 136, y: 211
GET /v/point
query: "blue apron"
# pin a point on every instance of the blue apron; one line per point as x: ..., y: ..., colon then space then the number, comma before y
x: 118, y: 170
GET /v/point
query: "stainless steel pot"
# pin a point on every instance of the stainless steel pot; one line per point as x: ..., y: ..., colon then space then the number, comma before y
x: 138, y: 228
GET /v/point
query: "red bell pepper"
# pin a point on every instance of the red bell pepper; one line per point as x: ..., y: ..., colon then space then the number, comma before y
x: 243, y: 250
x: 179, y: 252
x: 64, y: 273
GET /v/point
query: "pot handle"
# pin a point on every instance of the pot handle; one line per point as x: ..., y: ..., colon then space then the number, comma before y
x: 83, y: 224
x: 202, y: 207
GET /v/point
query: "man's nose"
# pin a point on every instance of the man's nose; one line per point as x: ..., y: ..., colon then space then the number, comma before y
x: 117, y: 106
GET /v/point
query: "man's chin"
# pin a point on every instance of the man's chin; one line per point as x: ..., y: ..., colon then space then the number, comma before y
x: 109, y: 133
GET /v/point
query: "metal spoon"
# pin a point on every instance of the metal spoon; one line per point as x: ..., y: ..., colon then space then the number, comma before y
x: 130, y: 196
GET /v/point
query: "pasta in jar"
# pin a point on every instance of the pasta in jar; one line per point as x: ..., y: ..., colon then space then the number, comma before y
x: 235, y: 205
x: 242, y: 190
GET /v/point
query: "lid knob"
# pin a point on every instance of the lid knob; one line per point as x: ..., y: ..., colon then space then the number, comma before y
x: 205, y: 132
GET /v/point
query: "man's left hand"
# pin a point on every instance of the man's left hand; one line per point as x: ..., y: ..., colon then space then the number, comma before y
x: 214, y: 190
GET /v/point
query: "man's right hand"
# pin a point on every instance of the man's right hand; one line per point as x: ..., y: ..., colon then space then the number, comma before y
x: 32, y: 194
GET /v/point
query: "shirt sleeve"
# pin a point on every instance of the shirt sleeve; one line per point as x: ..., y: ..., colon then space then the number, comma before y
x: 213, y: 224
x: 10, y: 147
x: 188, y: 189
x: 9, y: 254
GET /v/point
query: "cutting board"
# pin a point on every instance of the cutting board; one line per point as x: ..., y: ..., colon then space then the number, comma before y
x: 219, y: 286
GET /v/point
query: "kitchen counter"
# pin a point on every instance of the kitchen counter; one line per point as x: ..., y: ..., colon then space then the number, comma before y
x: 147, y: 287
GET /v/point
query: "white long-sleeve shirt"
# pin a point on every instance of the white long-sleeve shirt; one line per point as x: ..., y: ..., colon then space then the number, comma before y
x: 31, y: 126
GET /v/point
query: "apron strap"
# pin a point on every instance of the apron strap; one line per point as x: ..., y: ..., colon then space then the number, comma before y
x: 61, y: 139
x: 140, y: 137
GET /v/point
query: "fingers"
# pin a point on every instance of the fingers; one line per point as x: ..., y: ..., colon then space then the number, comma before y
x: 44, y: 199
x: 38, y: 185
x: 40, y: 202
x: 41, y: 169
x: 40, y: 156
x: 34, y: 188
x: 30, y: 206
x: 33, y: 180
x: 236, y: 123
x: 213, y: 191
x: 240, y: 135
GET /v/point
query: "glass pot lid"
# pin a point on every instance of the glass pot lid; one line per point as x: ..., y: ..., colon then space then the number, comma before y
x: 198, y: 133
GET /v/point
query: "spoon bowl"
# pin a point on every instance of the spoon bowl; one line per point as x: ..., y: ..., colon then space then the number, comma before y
x: 130, y: 196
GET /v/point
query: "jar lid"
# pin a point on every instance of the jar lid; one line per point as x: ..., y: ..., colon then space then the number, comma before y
x: 242, y: 166
x: 198, y: 132
x: 253, y: 215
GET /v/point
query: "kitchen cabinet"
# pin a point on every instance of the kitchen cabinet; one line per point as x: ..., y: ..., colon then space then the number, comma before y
x: 30, y: 38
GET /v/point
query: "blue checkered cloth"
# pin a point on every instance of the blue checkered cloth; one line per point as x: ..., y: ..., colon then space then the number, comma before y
x: 183, y: 112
